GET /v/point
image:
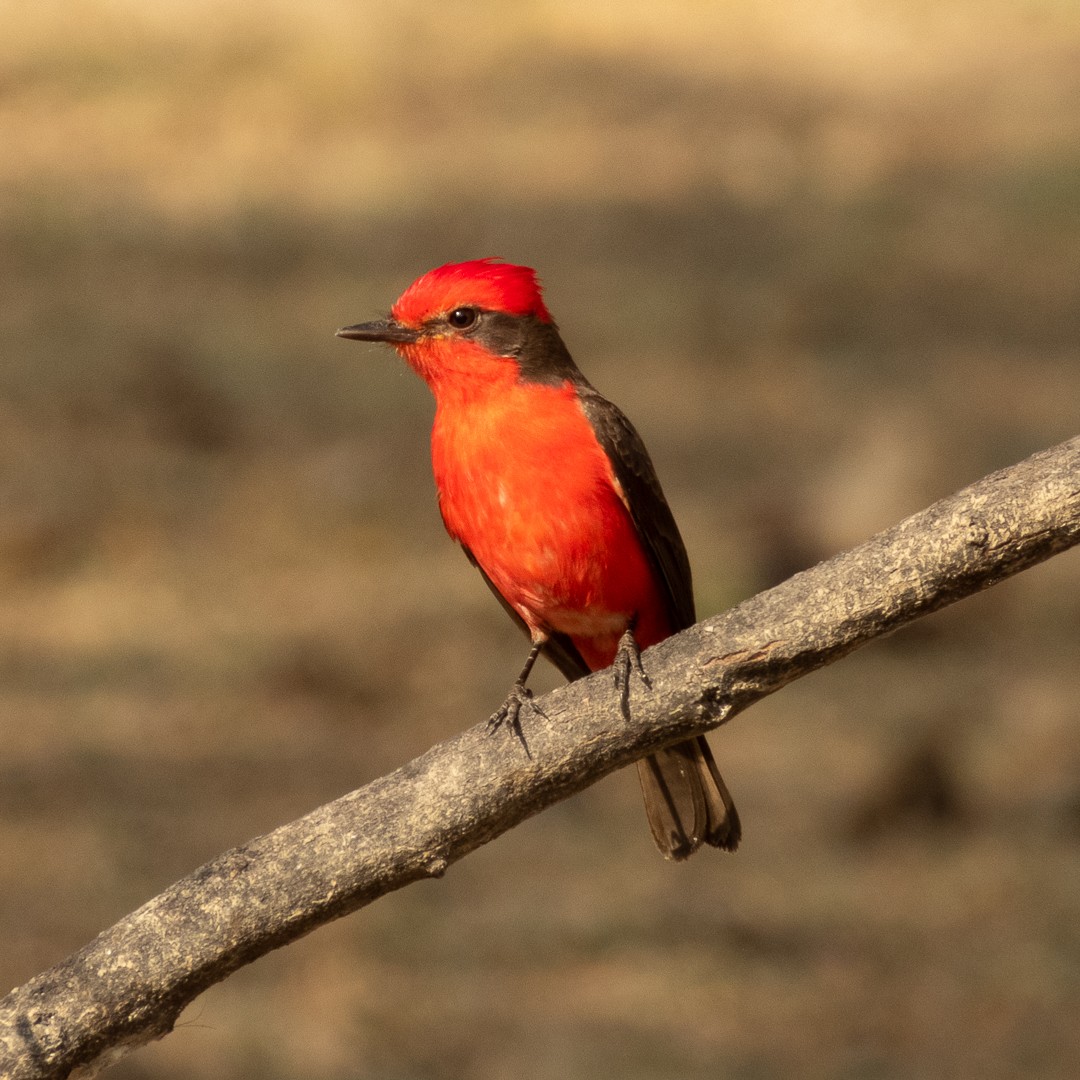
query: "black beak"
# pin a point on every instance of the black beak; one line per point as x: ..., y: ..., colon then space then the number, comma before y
x: 384, y: 330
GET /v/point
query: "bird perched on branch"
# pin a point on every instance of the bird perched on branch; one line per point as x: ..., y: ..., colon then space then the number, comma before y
x: 551, y: 493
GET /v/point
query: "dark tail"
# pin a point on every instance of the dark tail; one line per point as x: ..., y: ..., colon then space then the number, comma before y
x: 686, y: 800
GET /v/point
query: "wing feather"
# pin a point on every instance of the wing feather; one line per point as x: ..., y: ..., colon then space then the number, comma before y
x: 652, y: 517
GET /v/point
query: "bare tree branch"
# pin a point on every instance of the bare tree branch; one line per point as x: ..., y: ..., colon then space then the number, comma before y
x: 129, y: 985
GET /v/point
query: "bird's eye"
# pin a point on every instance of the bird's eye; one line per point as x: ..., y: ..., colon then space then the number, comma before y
x: 462, y: 318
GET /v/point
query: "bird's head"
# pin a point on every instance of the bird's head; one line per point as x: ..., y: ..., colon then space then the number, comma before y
x: 470, y: 323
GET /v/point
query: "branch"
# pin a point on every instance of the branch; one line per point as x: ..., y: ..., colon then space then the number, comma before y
x: 130, y: 984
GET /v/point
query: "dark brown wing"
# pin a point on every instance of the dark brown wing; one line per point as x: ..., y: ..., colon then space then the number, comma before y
x: 656, y: 528
x: 686, y: 800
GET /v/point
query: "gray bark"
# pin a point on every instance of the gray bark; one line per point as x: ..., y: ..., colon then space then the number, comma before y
x: 129, y: 985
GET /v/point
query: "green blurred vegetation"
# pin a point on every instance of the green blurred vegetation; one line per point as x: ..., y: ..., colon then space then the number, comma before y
x: 825, y: 256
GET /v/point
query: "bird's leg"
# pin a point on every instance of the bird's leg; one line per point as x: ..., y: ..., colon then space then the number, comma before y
x: 627, y: 661
x: 509, y: 712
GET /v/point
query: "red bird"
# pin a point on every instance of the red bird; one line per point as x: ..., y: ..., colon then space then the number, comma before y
x: 550, y: 491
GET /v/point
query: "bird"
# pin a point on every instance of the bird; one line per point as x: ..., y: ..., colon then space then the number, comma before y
x: 550, y: 491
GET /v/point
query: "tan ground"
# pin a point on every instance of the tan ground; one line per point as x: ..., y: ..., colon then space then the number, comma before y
x: 825, y: 255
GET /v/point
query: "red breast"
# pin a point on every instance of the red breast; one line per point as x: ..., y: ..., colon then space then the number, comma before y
x: 524, y: 484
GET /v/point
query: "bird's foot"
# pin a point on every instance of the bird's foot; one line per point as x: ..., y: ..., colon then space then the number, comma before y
x: 627, y: 662
x: 509, y: 713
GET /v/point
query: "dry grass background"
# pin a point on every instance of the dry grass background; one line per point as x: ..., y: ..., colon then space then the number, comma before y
x: 826, y: 256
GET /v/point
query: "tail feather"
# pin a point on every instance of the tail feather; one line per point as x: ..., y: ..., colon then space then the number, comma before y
x: 686, y: 800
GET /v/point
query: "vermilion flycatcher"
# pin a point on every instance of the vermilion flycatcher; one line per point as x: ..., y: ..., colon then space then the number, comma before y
x: 550, y: 491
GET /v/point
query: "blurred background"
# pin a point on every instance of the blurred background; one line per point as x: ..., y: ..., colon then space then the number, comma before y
x: 826, y: 257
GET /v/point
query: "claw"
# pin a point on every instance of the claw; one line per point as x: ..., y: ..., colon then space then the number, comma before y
x: 509, y: 713
x: 627, y: 661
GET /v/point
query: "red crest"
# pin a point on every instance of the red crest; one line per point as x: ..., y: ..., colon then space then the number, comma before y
x: 484, y: 283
